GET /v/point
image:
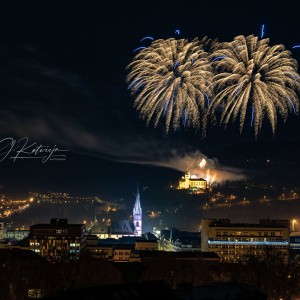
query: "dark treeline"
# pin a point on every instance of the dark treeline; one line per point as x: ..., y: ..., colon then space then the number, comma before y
x: 22, y: 270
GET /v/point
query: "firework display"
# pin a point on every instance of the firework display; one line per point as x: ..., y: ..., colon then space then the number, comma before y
x: 170, y: 79
x: 184, y: 83
x: 253, y: 77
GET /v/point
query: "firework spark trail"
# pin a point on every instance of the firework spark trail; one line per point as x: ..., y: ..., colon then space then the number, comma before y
x: 207, y: 99
x: 208, y: 177
x: 202, y: 163
x: 139, y: 48
x: 259, y: 73
x: 293, y: 106
x: 218, y: 57
x: 252, y: 116
x: 166, y: 106
x: 177, y: 70
x: 147, y: 38
x: 262, y: 31
x: 185, y: 118
x: 295, y: 76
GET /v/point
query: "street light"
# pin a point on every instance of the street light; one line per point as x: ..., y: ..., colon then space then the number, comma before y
x: 293, y: 224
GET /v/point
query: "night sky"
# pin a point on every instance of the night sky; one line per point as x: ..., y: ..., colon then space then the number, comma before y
x: 62, y: 82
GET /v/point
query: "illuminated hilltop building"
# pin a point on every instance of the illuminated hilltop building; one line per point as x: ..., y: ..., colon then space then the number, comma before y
x: 188, y: 182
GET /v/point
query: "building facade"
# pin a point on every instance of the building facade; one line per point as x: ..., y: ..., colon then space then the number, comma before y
x: 16, y: 234
x: 143, y: 245
x: 2, y: 230
x: 124, y: 253
x: 116, y: 230
x: 295, y: 244
x: 188, y: 182
x: 57, y: 240
x: 12, y: 234
x: 101, y: 231
x: 175, y: 240
x: 123, y: 249
x: 231, y: 242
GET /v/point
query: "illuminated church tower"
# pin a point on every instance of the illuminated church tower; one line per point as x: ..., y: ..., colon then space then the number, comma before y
x: 137, y: 215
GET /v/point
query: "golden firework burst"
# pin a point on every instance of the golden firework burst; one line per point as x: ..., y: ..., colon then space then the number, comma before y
x: 253, y: 77
x: 171, y: 80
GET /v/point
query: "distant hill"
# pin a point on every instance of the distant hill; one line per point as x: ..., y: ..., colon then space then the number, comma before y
x: 277, y: 161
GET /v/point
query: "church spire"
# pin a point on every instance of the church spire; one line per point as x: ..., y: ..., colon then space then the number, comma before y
x: 137, y: 209
x: 137, y: 214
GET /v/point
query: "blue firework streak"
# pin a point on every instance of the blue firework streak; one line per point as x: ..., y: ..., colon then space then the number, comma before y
x: 218, y: 57
x: 296, y: 46
x: 139, y: 48
x: 237, y: 90
x: 166, y: 107
x: 262, y: 31
x: 207, y: 99
x: 293, y: 106
x: 133, y: 83
x: 147, y: 38
x: 185, y: 118
x: 252, y: 116
x: 294, y: 77
x: 177, y: 31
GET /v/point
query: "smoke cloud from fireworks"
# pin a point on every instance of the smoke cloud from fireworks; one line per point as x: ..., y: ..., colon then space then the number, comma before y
x: 211, y: 168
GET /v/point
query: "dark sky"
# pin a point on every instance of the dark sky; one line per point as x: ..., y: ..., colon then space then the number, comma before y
x: 62, y: 82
